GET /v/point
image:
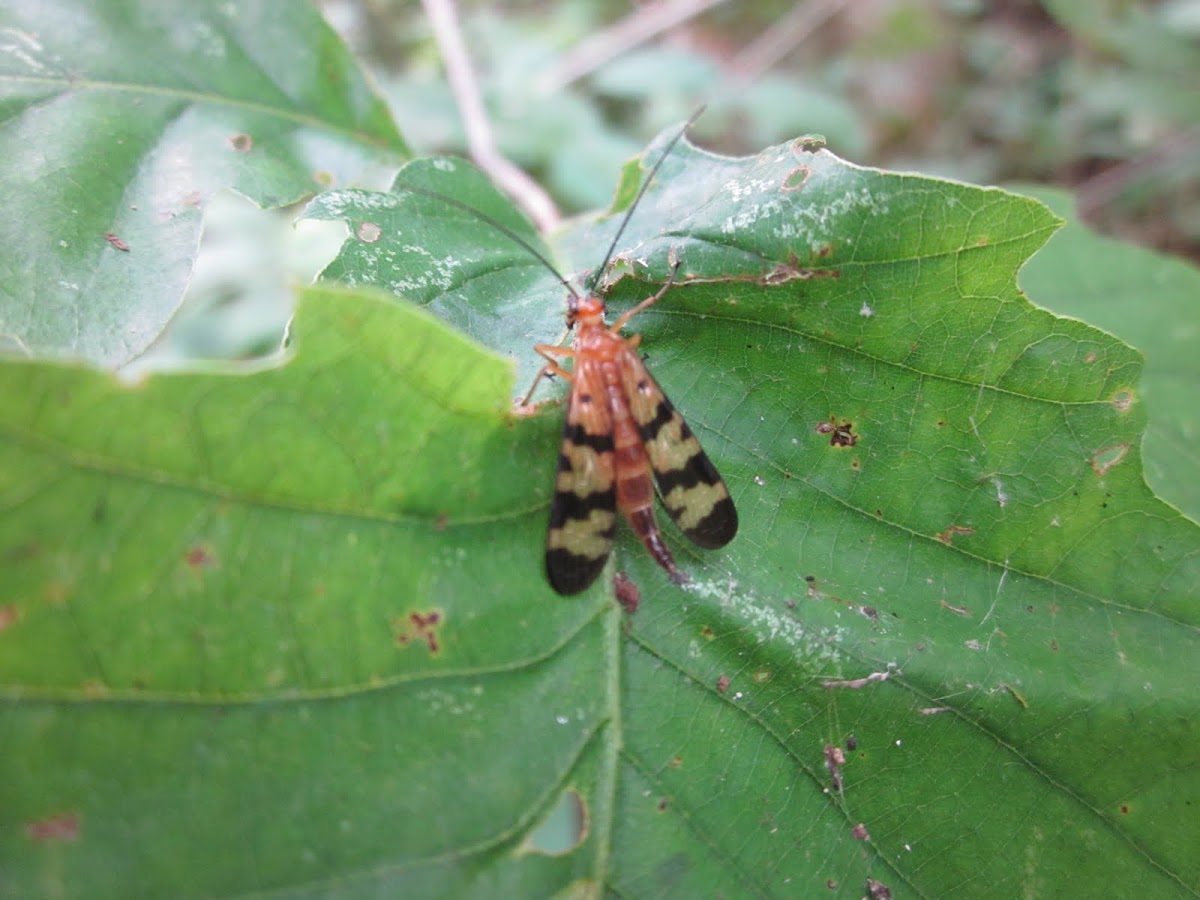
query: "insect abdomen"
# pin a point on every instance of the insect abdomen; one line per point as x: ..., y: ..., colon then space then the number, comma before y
x: 635, y: 490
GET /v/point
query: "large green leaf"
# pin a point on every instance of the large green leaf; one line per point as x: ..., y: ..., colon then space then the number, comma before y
x: 123, y: 118
x: 1151, y: 301
x: 286, y: 630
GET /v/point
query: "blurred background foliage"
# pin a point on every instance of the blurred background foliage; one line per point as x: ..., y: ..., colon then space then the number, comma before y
x: 1096, y: 96
x: 1100, y: 96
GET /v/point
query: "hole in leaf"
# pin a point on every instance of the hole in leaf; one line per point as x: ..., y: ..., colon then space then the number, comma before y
x: 563, y: 829
x: 796, y: 178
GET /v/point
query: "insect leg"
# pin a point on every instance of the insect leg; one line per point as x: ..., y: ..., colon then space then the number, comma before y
x: 649, y: 301
x: 551, y: 353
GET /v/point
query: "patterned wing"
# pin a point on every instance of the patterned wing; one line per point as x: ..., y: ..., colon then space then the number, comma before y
x: 583, y: 514
x: 692, y: 491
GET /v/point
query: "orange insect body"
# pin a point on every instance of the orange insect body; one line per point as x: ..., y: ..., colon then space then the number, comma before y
x: 605, y: 363
x: 621, y: 430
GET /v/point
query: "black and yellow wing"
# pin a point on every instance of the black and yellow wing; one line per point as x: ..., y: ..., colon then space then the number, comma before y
x: 691, y: 489
x: 583, y: 513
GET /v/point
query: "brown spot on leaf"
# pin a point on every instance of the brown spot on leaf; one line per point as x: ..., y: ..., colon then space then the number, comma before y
x: 957, y: 610
x: 199, y: 557
x: 1016, y: 695
x: 1106, y: 457
x: 855, y: 683
x: 241, y: 143
x: 834, y: 760
x: 722, y: 684
x: 63, y: 827
x: 841, y: 434
x: 418, y: 627
x: 877, y: 890
x: 627, y: 592
x: 117, y: 242
x: 707, y: 633
x: 859, y: 832
x: 676, y: 762
x: 323, y: 177
x: 851, y: 742
x: 780, y: 273
x: 783, y: 273
x: 10, y: 614
x: 425, y: 621
x: 947, y: 536
x: 662, y: 805
x: 22, y: 552
x: 1122, y: 401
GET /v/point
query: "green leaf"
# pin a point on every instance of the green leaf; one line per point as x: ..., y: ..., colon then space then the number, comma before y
x: 122, y: 119
x: 433, y: 248
x: 210, y: 589
x: 287, y: 630
x: 1150, y: 301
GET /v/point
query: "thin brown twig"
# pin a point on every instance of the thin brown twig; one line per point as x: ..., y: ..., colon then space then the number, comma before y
x: 636, y: 28
x: 481, y: 145
x: 779, y: 40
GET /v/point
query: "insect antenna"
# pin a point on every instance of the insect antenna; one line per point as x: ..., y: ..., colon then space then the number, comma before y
x: 499, y: 226
x: 590, y: 283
